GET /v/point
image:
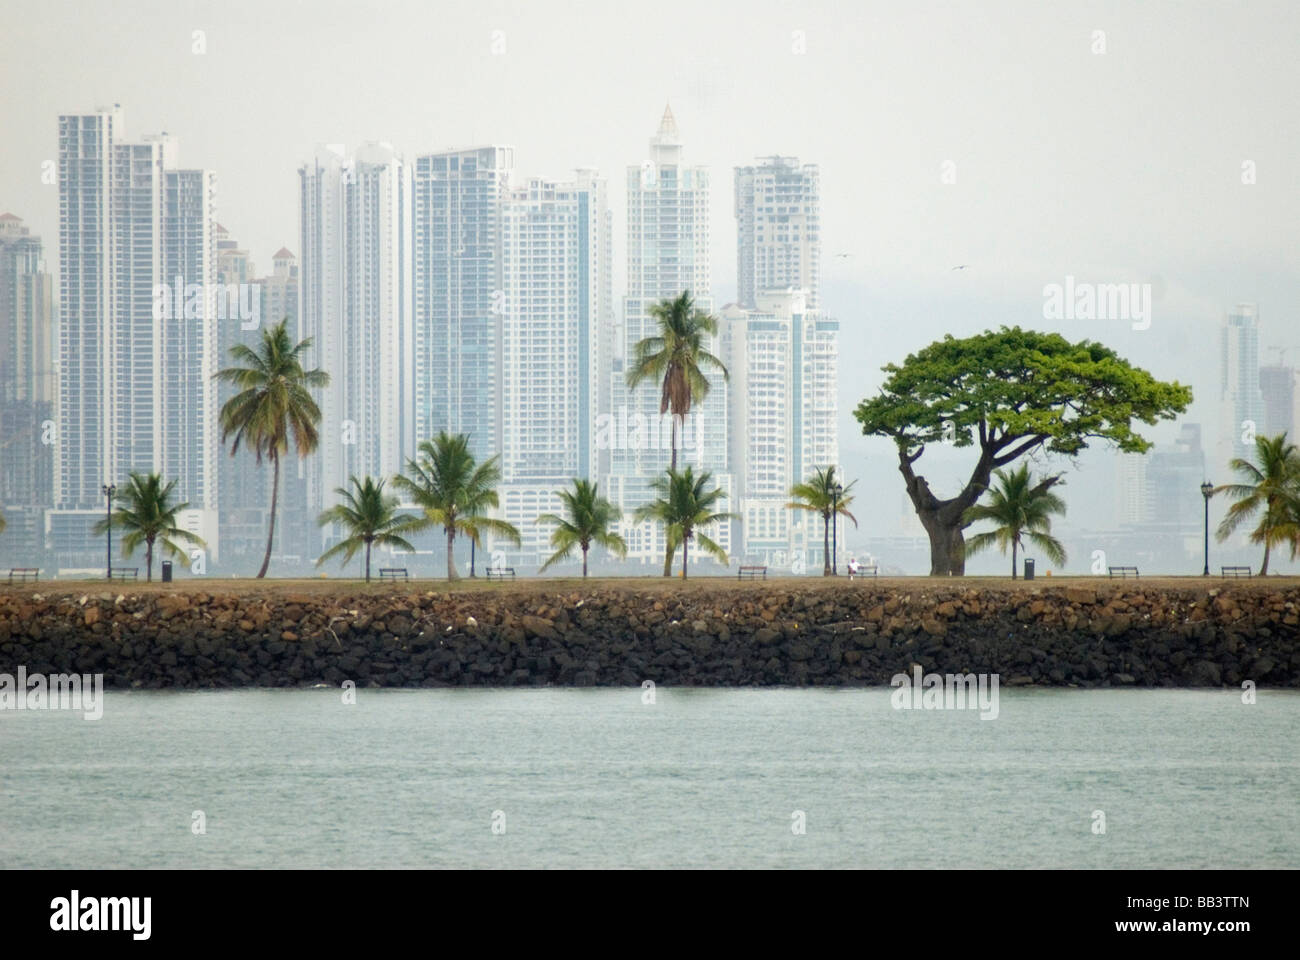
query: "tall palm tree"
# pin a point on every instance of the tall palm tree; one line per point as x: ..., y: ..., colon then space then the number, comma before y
x: 817, y: 495
x: 453, y: 491
x: 148, y: 516
x: 1022, y: 510
x: 673, y: 358
x: 369, y: 517
x: 588, y: 517
x: 683, y: 506
x: 273, y: 404
x: 1273, y: 483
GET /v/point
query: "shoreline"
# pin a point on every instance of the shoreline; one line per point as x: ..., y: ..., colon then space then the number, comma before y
x: 709, y: 632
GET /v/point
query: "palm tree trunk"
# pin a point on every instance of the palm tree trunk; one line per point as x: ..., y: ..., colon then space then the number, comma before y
x: 584, y: 563
x: 668, y: 550
x: 451, y: 560
x: 367, y: 561
x: 1013, y: 559
x: 685, y: 543
x: 826, y: 545
x: 1263, y: 570
x: 148, y: 560
x: 472, y: 544
x: 275, y: 499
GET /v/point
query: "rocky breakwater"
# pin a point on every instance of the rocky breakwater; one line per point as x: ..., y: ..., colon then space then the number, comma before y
x: 778, y: 633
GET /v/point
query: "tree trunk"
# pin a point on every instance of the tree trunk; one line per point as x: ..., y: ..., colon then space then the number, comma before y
x: 584, y: 563
x: 1263, y: 570
x: 942, y: 519
x: 685, y: 543
x: 367, y: 561
x: 451, y: 560
x: 826, y: 544
x: 668, y: 549
x: 275, y: 499
x: 148, y: 560
x: 1013, y: 559
x: 472, y: 544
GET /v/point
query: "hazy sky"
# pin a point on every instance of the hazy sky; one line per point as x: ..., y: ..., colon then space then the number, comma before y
x: 1119, y: 167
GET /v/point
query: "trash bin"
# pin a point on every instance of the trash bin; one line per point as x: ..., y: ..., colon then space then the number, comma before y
x: 1029, y: 569
x: 166, y: 571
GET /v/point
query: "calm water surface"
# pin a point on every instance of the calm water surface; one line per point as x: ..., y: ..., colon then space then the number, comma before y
x: 702, y: 778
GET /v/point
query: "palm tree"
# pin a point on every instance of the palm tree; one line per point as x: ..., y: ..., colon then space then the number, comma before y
x: 369, y: 517
x: 673, y: 359
x: 149, y: 516
x: 1022, y: 510
x: 683, y: 506
x: 273, y: 404
x: 1273, y: 482
x: 454, y: 492
x: 2, y: 521
x: 817, y: 495
x: 587, y: 521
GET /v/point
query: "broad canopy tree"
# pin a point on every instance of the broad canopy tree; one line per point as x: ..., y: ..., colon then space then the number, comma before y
x: 1007, y: 393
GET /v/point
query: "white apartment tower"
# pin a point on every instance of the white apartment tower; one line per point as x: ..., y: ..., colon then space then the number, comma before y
x: 778, y: 229
x: 556, y: 320
x: 458, y: 196
x: 667, y: 254
x: 783, y: 360
x: 134, y: 353
x: 1241, y: 404
x: 355, y: 286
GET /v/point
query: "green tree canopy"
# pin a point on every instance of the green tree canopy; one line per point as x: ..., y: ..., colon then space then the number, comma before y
x: 1007, y: 393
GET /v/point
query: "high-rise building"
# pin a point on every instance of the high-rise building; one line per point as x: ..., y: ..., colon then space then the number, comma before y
x: 458, y: 196
x: 1241, y: 405
x: 26, y: 388
x: 1278, y: 396
x: 355, y: 306
x: 783, y: 360
x: 188, y: 351
x: 133, y: 346
x: 556, y: 320
x: 778, y: 229
x: 667, y: 255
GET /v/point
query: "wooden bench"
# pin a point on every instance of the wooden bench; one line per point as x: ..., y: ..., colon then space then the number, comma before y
x: 1122, y: 572
x: 500, y: 573
x: 394, y: 573
x: 23, y: 574
x: 866, y: 569
x: 126, y: 573
x: 1236, y: 571
x: 752, y: 573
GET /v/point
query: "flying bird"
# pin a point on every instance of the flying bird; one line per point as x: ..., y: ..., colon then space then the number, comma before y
x: 843, y: 255
x: 961, y: 266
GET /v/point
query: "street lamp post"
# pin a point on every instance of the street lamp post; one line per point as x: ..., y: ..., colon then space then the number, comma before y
x: 836, y: 492
x: 1207, y: 491
x: 109, y: 490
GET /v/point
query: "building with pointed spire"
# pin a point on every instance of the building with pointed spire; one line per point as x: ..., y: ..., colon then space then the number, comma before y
x: 667, y: 255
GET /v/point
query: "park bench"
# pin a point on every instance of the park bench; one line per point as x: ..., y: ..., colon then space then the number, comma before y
x: 126, y: 573
x: 1236, y: 571
x: 23, y: 574
x: 1122, y: 572
x: 499, y: 573
x: 394, y: 573
x: 867, y: 569
x: 752, y: 573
